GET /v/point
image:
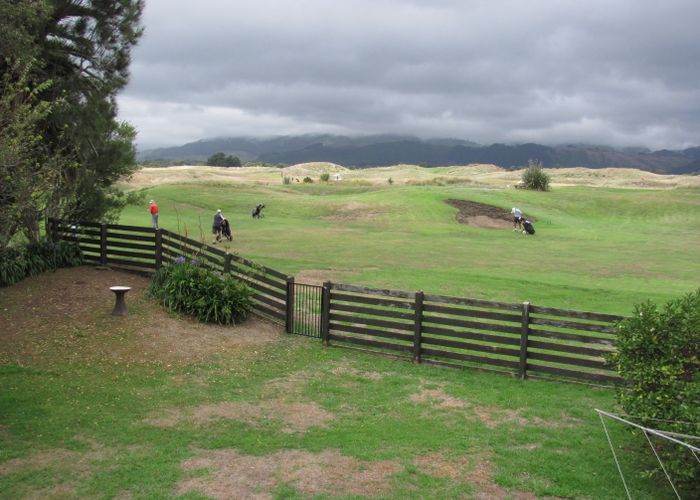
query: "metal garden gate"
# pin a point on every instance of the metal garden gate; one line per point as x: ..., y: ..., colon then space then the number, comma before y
x: 304, y: 309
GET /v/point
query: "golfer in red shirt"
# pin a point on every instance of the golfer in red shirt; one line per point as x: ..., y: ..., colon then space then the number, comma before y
x: 154, y: 214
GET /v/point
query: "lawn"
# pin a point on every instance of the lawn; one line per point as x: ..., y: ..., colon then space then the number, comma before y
x: 153, y: 406
x: 599, y: 249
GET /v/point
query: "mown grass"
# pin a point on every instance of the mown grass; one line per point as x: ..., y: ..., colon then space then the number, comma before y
x: 597, y: 249
x: 555, y: 445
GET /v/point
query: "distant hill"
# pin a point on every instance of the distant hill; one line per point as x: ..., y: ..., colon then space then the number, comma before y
x: 385, y: 150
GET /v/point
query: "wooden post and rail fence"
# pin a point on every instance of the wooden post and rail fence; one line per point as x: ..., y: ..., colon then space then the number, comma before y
x: 522, y: 339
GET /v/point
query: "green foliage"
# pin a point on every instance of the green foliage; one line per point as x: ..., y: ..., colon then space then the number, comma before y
x: 658, y: 356
x: 221, y: 160
x: 287, y: 180
x: 18, y: 20
x: 63, y: 132
x: 308, y: 180
x: 205, y: 295
x: 36, y: 258
x: 28, y: 172
x: 390, y: 181
x: 325, y: 177
x: 534, y: 177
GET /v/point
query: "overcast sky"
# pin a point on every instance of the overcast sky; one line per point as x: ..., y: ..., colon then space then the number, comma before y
x: 616, y: 72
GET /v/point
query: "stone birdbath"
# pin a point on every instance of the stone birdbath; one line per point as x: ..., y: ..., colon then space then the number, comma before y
x: 120, y: 304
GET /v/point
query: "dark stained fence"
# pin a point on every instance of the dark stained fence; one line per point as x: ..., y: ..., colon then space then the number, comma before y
x: 521, y: 339
x: 147, y: 249
x: 369, y: 317
x: 468, y: 331
x: 570, y: 343
x: 110, y: 244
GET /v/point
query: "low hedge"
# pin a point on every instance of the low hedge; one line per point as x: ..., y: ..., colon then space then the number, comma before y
x: 35, y: 258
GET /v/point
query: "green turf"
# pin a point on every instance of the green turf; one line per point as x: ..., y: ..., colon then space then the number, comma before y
x: 553, y: 445
x: 595, y: 249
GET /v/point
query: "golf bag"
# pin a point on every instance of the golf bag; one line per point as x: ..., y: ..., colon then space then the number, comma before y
x: 257, y: 211
x: 226, y: 230
x: 528, y: 227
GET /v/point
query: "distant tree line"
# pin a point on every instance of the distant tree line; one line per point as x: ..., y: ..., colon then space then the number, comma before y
x: 222, y: 160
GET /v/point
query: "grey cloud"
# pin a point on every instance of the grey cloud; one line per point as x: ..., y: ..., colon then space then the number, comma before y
x: 617, y: 71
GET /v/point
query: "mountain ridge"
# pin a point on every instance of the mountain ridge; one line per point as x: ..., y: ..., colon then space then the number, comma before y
x: 392, y: 149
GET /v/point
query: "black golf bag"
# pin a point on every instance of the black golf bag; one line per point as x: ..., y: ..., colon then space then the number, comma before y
x: 226, y: 230
x: 257, y: 211
x: 528, y: 227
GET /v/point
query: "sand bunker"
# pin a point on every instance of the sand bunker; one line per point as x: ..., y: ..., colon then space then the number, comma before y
x: 483, y: 216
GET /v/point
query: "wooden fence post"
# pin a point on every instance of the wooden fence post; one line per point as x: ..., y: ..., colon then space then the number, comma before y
x: 417, y: 326
x: 227, y: 264
x: 103, y: 245
x: 326, y: 313
x: 524, y: 329
x: 159, y: 249
x: 289, y: 317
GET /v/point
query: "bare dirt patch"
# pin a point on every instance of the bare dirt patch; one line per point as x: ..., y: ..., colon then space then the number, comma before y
x: 345, y: 369
x: 481, y: 215
x: 295, y: 417
x: 320, y: 276
x: 354, y: 212
x: 476, y: 469
x: 288, y: 386
x: 236, y: 476
x: 74, y: 463
x: 66, y: 315
x: 439, y: 398
x: 490, y: 416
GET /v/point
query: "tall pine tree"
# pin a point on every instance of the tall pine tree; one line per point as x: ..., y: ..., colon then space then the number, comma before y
x: 85, y: 46
x: 67, y: 59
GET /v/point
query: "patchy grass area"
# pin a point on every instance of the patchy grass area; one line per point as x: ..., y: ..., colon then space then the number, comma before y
x: 153, y: 406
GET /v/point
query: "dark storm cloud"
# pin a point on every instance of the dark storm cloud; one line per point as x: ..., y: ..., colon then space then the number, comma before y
x: 614, y: 72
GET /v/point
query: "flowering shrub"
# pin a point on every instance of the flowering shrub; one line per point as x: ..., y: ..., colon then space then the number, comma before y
x: 187, y: 288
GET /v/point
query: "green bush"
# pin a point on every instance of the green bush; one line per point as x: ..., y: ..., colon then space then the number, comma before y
x: 35, y: 258
x: 308, y: 180
x: 534, y: 177
x: 205, y: 295
x: 325, y: 176
x: 658, y: 356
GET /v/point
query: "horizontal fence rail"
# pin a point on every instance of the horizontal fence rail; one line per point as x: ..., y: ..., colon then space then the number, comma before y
x: 109, y: 244
x: 148, y: 249
x: 521, y: 339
